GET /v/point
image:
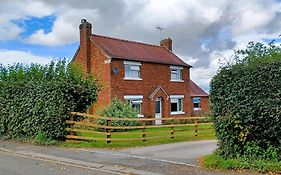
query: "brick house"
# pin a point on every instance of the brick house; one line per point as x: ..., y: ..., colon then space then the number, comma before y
x: 150, y: 77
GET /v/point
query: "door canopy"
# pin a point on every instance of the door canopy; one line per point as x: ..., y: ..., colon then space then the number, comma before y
x: 158, y: 92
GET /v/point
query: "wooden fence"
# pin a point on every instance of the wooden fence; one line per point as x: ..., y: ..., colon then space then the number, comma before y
x: 83, y: 126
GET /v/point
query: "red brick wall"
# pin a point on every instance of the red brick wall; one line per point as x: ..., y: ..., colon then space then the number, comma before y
x: 100, y: 71
x: 153, y: 75
x: 204, y: 106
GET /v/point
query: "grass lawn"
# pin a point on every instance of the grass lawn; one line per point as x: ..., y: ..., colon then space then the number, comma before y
x: 186, y: 133
x: 256, y: 165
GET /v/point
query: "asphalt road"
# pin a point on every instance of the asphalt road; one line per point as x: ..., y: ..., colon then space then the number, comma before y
x: 11, y: 164
x: 169, y: 159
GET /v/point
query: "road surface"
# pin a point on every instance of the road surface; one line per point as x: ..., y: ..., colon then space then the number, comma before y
x: 169, y: 159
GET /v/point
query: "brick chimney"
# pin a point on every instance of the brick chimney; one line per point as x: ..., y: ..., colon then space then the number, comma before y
x: 85, y: 32
x: 168, y: 43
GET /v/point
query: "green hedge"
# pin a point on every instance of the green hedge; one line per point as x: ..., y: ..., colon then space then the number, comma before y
x: 37, y: 99
x: 246, y: 102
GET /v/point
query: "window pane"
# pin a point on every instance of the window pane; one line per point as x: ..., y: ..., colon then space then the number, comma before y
x: 173, y: 76
x: 176, y: 74
x: 157, y: 107
x: 174, y: 107
x: 127, y: 71
x: 132, y: 71
x: 180, y: 105
x: 196, y: 105
x: 137, y: 68
x: 138, y: 107
x: 134, y: 74
x: 179, y: 74
x: 196, y: 100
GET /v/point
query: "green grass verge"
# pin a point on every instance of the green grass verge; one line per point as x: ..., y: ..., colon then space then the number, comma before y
x: 188, y: 136
x: 255, y: 165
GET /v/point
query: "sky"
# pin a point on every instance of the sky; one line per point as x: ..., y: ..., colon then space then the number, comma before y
x: 205, y: 33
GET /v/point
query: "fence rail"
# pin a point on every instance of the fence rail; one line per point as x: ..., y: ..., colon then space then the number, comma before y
x: 83, y: 126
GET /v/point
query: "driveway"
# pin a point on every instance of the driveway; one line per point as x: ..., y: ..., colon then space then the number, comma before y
x: 182, y: 152
x: 169, y: 159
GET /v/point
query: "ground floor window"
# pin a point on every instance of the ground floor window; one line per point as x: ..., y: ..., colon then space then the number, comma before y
x: 177, y: 104
x: 196, y: 103
x: 136, y: 102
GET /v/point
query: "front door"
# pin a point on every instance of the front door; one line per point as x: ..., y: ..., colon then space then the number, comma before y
x: 158, y: 111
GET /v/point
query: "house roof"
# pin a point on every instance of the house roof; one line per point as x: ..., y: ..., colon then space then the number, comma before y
x: 196, y: 91
x: 136, y: 51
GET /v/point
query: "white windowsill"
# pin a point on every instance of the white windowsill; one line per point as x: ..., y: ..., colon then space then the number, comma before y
x: 177, y: 81
x: 127, y: 78
x: 140, y: 116
x: 176, y: 113
x: 197, y: 109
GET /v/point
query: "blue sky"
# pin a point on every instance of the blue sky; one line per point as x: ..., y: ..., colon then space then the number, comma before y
x: 31, y: 25
x: 204, y: 32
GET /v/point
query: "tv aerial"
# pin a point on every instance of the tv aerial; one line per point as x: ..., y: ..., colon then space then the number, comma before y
x: 158, y: 27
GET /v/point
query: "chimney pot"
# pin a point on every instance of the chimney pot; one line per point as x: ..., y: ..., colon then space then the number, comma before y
x: 83, y: 21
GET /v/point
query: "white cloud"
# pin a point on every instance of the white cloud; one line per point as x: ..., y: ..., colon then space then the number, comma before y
x: 64, y: 30
x: 16, y: 10
x: 9, y: 31
x: 9, y: 57
x: 188, y: 22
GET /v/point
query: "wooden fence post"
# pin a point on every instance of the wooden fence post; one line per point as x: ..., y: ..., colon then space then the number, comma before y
x: 172, y: 129
x: 143, y: 131
x: 196, y: 127
x: 108, y: 131
x: 71, y: 126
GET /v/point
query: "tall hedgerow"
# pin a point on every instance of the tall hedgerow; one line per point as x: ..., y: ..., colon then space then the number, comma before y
x: 37, y: 99
x: 246, y: 103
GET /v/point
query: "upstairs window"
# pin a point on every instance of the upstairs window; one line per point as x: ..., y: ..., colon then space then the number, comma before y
x: 196, y: 103
x: 136, y: 102
x: 132, y: 70
x: 176, y: 73
x: 176, y: 104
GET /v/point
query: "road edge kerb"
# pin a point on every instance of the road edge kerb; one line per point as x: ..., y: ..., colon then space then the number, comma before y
x: 78, y: 163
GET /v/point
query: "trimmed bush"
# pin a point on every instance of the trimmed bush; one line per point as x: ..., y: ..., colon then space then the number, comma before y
x: 119, y: 109
x: 246, y: 103
x: 36, y: 100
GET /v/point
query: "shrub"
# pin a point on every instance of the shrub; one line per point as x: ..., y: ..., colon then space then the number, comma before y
x: 119, y: 109
x: 38, y: 99
x: 246, y: 101
x: 42, y: 139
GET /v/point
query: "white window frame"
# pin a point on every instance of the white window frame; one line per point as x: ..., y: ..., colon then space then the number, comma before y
x: 196, y: 109
x: 137, y: 99
x: 179, y: 73
x: 177, y: 97
x: 133, y: 65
